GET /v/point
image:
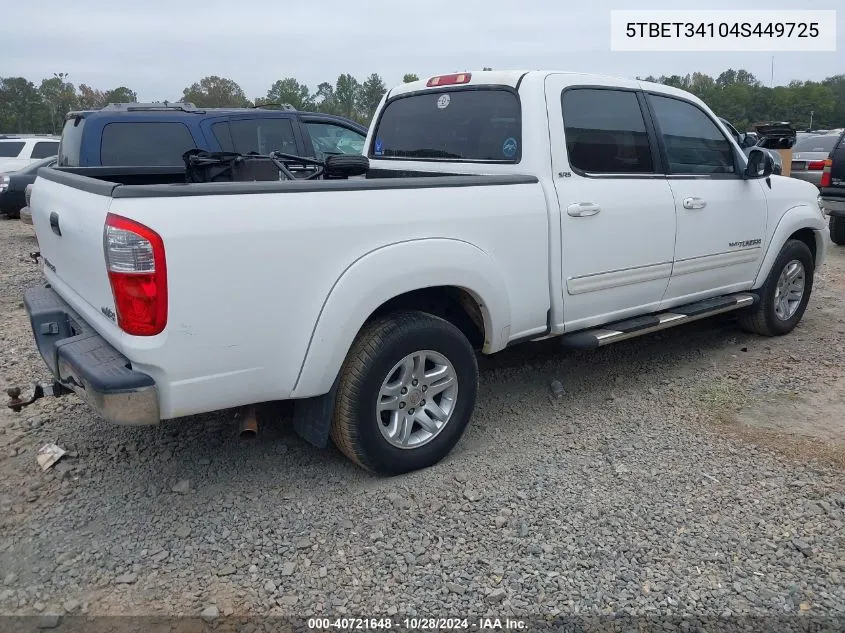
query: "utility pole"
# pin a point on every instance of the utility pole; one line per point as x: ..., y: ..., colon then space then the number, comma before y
x: 811, y: 120
x: 772, y: 83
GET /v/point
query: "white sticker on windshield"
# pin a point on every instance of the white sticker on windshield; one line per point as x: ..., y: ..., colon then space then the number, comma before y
x: 443, y: 101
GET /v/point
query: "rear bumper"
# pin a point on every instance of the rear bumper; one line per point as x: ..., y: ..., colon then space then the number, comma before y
x: 81, y: 360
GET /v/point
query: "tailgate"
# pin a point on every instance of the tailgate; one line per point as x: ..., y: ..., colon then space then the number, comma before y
x: 69, y: 223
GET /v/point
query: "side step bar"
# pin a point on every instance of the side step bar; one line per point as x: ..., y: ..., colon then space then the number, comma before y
x: 630, y: 328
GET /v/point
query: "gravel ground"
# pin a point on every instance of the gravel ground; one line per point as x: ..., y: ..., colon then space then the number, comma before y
x: 644, y: 488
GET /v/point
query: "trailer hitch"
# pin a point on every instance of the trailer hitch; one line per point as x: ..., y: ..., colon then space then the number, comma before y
x: 38, y: 391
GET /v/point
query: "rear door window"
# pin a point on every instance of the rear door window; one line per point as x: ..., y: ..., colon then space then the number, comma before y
x: 605, y: 132
x: 483, y: 125
x: 10, y: 149
x: 152, y: 144
x: 44, y: 149
x: 262, y: 136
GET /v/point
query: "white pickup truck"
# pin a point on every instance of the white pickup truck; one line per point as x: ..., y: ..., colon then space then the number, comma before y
x: 500, y: 207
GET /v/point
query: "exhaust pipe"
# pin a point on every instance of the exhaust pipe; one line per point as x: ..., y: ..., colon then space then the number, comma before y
x: 249, y: 425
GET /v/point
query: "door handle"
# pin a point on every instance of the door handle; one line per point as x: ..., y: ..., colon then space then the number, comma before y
x: 54, y: 223
x: 583, y: 209
x: 694, y: 203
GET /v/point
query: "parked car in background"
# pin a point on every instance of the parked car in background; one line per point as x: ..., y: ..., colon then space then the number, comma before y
x: 808, y: 157
x: 158, y: 134
x: 19, y: 150
x: 500, y: 207
x: 748, y: 141
x: 833, y: 190
x: 13, y: 186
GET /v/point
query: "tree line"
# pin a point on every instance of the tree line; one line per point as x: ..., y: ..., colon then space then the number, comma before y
x: 742, y: 99
x: 736, y: 95
x: 40, y: 109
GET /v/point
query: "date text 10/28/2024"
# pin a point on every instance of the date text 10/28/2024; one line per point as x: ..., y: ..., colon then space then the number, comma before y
x: 416, y: 624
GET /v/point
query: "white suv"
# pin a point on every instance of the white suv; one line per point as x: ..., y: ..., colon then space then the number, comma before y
x: 17, y: 151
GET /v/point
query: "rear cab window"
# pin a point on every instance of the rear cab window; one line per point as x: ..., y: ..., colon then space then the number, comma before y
x: 474, y: 125
x: 11, y: 149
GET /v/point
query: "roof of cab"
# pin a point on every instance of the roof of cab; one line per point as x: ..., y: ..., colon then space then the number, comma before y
x: 513, y: 77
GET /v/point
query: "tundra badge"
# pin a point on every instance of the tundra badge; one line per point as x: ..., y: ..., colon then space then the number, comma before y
x: 745, y: 244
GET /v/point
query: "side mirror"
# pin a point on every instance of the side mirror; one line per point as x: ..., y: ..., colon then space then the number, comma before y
x: 746, y: 141
x: 760, y: 164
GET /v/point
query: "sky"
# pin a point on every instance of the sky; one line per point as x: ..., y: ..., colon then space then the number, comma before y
x: 157, y: 48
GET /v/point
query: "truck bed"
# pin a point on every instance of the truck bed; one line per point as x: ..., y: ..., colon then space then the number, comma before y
x: 257, y: 281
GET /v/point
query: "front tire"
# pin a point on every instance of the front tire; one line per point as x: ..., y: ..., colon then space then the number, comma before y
x: 406, y: 393
x: 837, y: 229
x: 783, y: 297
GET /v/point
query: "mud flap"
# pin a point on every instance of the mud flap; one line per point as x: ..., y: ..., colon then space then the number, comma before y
x: 312, y: 417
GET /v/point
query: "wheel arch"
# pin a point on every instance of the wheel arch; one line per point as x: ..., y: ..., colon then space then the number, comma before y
x: 801, y: 222
x: 449, y: 278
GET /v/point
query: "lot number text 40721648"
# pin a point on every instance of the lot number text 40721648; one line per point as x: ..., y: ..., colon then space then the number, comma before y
x: 416, y: 624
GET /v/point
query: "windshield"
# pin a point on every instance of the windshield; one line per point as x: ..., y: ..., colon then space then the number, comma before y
x: 471, y: 125
x: 816, y: 144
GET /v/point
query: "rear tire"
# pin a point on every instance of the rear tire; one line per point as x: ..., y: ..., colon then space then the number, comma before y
x: 837, y: 229
x: 386, y: 418
x: 783, y: 297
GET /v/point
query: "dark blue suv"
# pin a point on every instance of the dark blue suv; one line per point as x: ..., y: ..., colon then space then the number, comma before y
x: 158, y: 134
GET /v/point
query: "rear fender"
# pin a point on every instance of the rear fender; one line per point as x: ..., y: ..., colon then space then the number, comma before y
x: 388, y: 272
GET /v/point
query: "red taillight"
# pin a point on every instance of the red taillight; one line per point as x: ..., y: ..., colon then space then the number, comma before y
x: 138, y: 275
x: 825, y: 182
x: 449, y: 80
x: 815, y: 165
